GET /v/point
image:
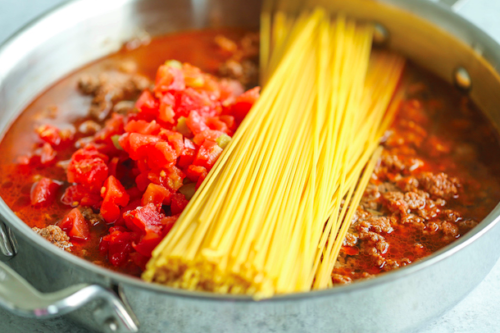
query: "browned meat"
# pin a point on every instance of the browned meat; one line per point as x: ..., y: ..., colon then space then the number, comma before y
x: 90, y: 216
x: 439, y: 185
x: 392, y: 163
x: 89, y: 127
x: 244, y: 71
x: 396, y: 202
x: 242, y: 64
x: 109, y: 88
x: 376, y: 224
x: 451, y: 215
x: 416, y: 200
x: 56, y: 236
x: 468, y: 223
x: 375, y: 244
x: 390, y: 264
x: 450, y: 229
x: 409, y: 210
x: 250, y: 45
x: 413, y: 219
x: 408, y: 184
x: 340, y: 279
x: 226, y: 44
x: 350, y: 239
x: 370, y: 197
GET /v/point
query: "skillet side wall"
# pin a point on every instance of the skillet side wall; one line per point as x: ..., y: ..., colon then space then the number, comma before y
x: 399, y: 301
x: 393, y: 305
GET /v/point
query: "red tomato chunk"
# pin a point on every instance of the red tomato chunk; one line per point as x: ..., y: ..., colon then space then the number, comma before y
x: 133, y: 167
x: 44, y: 192
x: 75, y: 225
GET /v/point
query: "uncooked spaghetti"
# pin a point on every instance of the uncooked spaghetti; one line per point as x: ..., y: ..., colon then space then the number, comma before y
x: 271, y: 216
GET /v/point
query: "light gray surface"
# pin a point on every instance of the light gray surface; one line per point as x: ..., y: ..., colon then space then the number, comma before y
x: 477, y: 313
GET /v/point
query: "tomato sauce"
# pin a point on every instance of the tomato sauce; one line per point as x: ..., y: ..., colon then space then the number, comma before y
x: 437, y: 179
x: 64, y: 107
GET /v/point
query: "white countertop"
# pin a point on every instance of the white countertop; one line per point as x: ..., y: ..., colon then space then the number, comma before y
x: 478, y: 312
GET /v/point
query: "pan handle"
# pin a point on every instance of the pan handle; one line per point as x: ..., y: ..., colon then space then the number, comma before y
x: 19, y: 297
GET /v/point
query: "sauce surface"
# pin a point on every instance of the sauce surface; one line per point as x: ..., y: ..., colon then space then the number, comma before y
x: 64, y: 106
x: 438, y: 177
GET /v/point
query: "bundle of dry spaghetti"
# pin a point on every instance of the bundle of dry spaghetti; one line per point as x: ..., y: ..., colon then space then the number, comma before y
x: 270, y: 217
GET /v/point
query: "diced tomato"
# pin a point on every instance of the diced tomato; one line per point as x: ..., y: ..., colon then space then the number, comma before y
x: 112, y: 166
x: 169, y: 78
x: 199, y: 100
x: 103, y: 246
x: 113, y: 126
x: 160, y: 155
x: 229, y: 121
x: 47, y: 154
x: 212, y: 89
x: 175, y: 177
x: 139, y: 260
x: 178, y: 203
x: 175, y: 134
x: 230, y: 89
x: 194, y: 172
x: 156, y: 195
x: 188, y: 154
x: 75, y: 225
x: 89, y: 171
x: 133, y: 204
x: 147, y: 103
x: 142, y: 182
x: 43, y: 192
x: 124, y: 141
x: 175, y: 139
x: 49, y: 134
x: 78, y: 195
x: 134, y: 193
x: 196, y: 123
x: 244, y: 103
x: 89, y: 152
x: 201, y: 179
x: 146, y: 218
x: 142, y: 127
x: 119, y: 246
x: 168, y: 223
x: 214, y: 123
x: 119, y: 253
x: 148, y: 243
x: 207, y: 154
x: 138, y: 141
x: 167, y: 113
x: 206, y: 135
x: 115, y: 197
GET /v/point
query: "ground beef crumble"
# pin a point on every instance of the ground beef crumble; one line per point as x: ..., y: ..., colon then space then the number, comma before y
x: 404, y: 203
x: 243, y: 57
x: 56, y: 236
x: 110, y: 87
x: 90, y: 216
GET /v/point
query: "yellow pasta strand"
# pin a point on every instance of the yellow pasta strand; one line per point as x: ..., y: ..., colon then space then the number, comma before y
x: 271, y: 216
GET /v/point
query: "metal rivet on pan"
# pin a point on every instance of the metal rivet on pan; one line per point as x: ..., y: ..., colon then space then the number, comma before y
x: 462, y: 79
x: 111, y: 324
x: 380, y: 34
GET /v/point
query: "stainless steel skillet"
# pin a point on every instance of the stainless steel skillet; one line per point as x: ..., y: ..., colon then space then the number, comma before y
x: 400, y: 301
